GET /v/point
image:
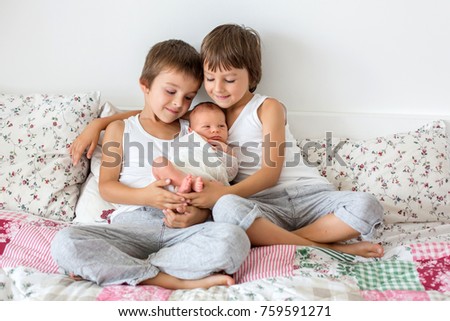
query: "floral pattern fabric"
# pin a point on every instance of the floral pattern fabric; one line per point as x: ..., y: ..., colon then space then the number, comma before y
x: 408, y: 172
x: 36, y: 174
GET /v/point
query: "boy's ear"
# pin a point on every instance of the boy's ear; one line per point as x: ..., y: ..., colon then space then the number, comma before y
x: 144, y: 86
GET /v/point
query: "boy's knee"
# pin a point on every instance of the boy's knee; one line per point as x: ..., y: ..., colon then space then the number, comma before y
x: 61, y: 246
x: 371, y: 207
x: 61, y: 239
x: 226, y: 201
x: 226, y: 209
x: 235, y: 245
x: 237, y: 238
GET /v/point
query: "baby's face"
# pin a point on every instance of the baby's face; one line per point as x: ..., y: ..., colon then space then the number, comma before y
x: 210, y: 124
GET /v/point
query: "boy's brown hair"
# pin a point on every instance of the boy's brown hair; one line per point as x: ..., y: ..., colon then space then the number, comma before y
x: 172, y: 54
x: 233, y: 46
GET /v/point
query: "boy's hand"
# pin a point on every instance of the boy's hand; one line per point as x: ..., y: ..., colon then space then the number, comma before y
x: 157, y: 196
x: 212, y: 191
x: 191, y: 216
x: 89, y: 137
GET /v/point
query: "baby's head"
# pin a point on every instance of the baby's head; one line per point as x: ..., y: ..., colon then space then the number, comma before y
x: 208, y: 120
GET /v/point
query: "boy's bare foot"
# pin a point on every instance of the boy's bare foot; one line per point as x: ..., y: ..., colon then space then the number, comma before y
x: 210, y: 281
x: 173, y: 283
x: 197, y: 184
x: 186, y: 185
x: 364, y: 249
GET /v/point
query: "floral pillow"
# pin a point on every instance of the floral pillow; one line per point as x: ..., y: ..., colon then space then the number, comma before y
x: 408, y: 172
x: 36, y: 174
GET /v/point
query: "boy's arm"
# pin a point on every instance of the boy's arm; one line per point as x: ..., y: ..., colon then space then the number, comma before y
x: 273, y: 119
x: 114, y: 191
x: 90, y: 135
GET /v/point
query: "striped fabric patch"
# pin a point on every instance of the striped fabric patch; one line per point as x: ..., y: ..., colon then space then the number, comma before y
x: 340, y: 256
x: 388, y: 275
x: 266, y: 262
x: 30, y: 247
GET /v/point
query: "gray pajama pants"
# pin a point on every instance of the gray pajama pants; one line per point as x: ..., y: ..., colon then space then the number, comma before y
x: 137, y: 245
x: 297, y: 206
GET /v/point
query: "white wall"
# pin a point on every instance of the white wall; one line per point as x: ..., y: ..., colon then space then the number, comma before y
x: 387, y: 56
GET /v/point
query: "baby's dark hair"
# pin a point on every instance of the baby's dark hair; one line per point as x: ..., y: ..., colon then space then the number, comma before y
x: 233, y: 46
x: 205, y: 105
x: 172, y: 54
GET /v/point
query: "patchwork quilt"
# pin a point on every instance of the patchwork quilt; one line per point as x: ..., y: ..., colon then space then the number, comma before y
x: 416, y: 266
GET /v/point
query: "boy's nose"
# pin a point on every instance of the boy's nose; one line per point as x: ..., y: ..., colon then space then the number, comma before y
x: 176, y: 103
x: 218, y: 86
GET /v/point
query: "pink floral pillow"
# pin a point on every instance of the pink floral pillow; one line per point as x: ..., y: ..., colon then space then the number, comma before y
x: 36, y: 174
x: 408, y: 172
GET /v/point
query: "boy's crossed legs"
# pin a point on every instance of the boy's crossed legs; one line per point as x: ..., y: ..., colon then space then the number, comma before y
x: 129, y: 251
x: 292, y: 218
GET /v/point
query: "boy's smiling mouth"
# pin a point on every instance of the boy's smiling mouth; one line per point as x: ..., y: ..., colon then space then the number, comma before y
x: 175, y: 112
x: 222, y: 97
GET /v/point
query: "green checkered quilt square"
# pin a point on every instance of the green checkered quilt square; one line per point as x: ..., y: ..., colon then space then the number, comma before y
x: 388, y: 275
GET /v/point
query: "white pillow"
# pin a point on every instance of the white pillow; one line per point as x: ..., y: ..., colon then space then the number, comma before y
x: 91, y: 207
x: 36, y: 173
x: 408, y: 172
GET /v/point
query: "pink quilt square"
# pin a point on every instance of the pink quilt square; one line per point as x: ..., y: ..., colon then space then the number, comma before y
x: 395, y: 295
x: 435, y: 274
x: 433, y: 265
x: 133, y: 293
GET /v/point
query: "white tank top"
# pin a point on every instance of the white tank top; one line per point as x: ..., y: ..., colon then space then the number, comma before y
x: 139, y: 150
x: 246, y: 132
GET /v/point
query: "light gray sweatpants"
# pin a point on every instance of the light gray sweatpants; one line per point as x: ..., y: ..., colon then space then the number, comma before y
x: 137, y: 245
x: 297, y: 205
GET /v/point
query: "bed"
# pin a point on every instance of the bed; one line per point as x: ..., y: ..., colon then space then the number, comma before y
x: 403, y: 160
